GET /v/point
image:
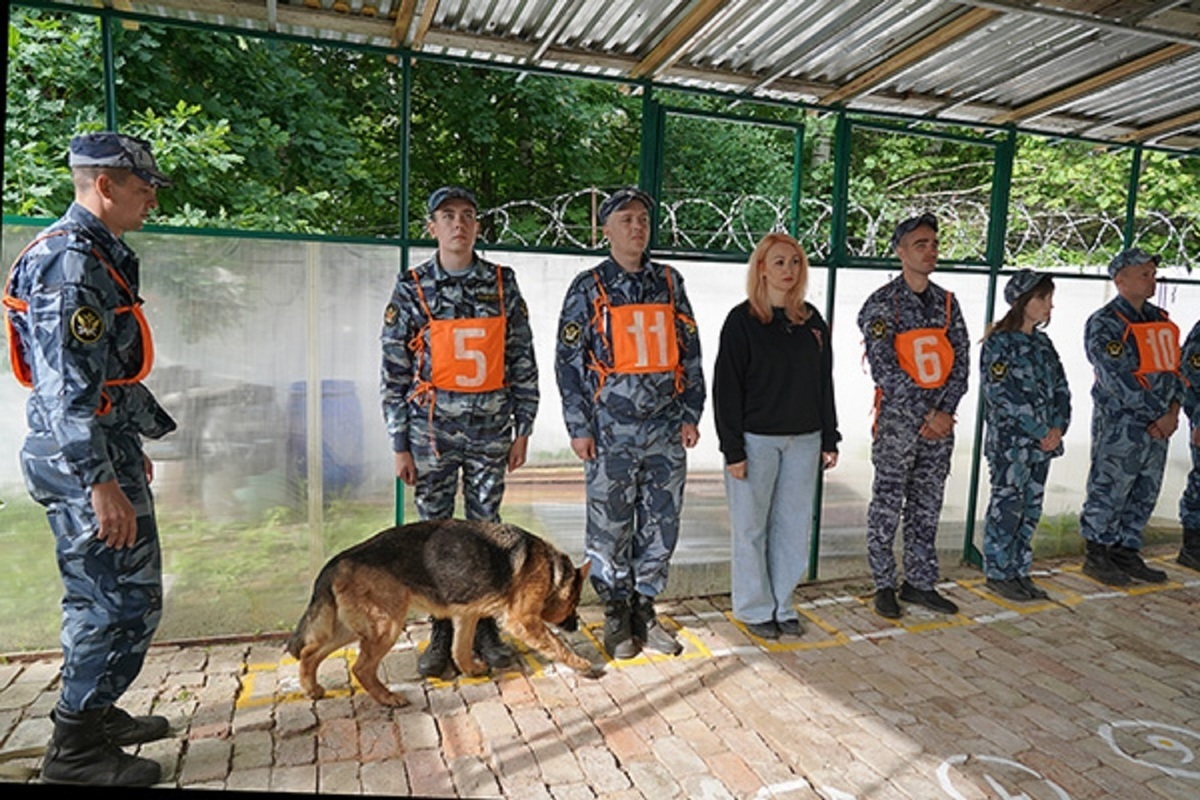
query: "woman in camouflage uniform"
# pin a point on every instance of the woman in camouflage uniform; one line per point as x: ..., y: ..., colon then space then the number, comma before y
x: 1027, y: 407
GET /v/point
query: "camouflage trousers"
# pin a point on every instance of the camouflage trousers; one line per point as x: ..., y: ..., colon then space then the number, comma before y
x: 1123, y: 482
x: 1189, y: 502
x: 479, y: 457
x: 1014, y: 510
x: 634, y: 499
x: 112, y: 600
x: 909, y: 484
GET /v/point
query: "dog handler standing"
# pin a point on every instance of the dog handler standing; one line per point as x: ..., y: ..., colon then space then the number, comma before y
x: 918, y: 351
x: 459, y: 386
x: 632, y: 386
x: 78, y: 339
x: 1134, y: 351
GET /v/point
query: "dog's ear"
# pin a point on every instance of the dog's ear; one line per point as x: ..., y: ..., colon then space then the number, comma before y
x: 584, y: 568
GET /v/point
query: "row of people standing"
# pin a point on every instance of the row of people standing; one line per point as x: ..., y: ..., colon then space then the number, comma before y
x: 460, y: 395
x: 918, y: 350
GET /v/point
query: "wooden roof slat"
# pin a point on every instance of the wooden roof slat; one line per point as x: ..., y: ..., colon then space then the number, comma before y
x: 1095, y: 83
x: 1162, y: 127
x: 677, y: 38
x: 941, y: 37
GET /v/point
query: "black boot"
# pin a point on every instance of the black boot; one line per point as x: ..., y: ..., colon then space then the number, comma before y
x: 649, y: 630
x: 618, y: 630
x: 1098, y: 564
x: 125, y: 729
x: 80, y: 752
x: 489, y: 646
x: 433, y: 662
x: 1189, y: 554
x: 1130, y: 562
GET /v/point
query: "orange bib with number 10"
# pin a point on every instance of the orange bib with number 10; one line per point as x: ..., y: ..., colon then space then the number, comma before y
x: 1157, y: 347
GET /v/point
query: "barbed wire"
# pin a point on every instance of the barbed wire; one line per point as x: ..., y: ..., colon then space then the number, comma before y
x: 1036, y: 237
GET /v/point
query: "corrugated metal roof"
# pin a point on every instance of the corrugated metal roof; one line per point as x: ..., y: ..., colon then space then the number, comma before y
x: 1121, y: 70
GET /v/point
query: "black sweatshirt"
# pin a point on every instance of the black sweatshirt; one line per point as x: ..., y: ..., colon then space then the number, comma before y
x: 774, y: 380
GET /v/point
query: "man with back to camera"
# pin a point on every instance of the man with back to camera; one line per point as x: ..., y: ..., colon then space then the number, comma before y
x: 632, y: 384
x: 918, y: 350
x: 459, y: 386
x: 78, y: 339
x: 1134, y: 351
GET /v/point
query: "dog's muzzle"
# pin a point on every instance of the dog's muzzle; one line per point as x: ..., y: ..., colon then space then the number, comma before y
x: 570, y: 624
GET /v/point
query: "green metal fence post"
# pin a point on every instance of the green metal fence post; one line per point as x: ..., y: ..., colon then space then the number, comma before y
x: 1005, y: 154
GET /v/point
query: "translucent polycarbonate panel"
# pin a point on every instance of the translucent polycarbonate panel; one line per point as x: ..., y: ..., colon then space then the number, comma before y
x: 244, y: 326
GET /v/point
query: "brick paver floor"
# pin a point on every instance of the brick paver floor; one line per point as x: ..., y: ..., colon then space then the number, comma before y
x: 1094, y: 694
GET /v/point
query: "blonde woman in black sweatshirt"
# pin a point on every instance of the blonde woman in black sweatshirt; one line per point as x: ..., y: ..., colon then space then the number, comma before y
x: 777, y: 425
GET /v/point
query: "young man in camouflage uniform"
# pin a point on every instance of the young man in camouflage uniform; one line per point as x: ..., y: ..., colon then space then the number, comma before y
x: 77, y: 337
x: 632, y: 385
x: 918, y: 351
x: 1189, y: 503
x: 459, y: 388
x: 1134, y: 351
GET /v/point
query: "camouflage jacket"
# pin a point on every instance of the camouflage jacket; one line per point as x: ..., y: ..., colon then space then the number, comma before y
x: 470, y: 295
x: 894, y: 308
x: 75, y: 343
x: 582, y: 348
x: 1117, y: 391
x: 1025, y: 393
x: 1191, y: 373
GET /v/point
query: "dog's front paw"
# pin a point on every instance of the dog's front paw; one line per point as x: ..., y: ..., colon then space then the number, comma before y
x: 473, y: 668
x: 586, y: 668
x: 392, y: 699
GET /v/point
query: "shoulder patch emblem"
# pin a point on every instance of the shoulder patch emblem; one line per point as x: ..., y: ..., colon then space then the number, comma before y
x: 87, y: 326
x: 877, y: 328
x: 1114, y: 349
x: 998, y: 370
x: 391, y: 314
x: 570, y: 333
x: 1194, y: 360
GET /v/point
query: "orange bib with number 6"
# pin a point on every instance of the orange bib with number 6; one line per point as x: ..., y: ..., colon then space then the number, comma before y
x: 926, y: 353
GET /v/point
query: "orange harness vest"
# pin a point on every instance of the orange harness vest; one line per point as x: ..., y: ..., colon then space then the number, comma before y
x: 464, y: 354
x: 640, y: 337
x: 16, y: 351
x: 926, y: 353
x: 1157, y: 346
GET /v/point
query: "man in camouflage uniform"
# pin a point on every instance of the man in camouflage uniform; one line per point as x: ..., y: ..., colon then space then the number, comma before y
x: 78, y: 339
x: 632, y: 385
x: 459, y: 385
x: 1136, y: 395
x: 918, y: 350
x: 1189, y: 503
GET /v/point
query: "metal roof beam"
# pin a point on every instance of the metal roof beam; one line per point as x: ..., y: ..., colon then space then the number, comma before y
x: 952, y: 31
x: 1093, y: 84
x: 677, y: 38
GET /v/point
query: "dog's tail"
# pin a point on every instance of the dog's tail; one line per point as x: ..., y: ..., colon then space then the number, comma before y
x: 322, y: 598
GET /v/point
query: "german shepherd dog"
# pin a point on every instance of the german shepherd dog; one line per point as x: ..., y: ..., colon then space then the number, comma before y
x: 456, y: 569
